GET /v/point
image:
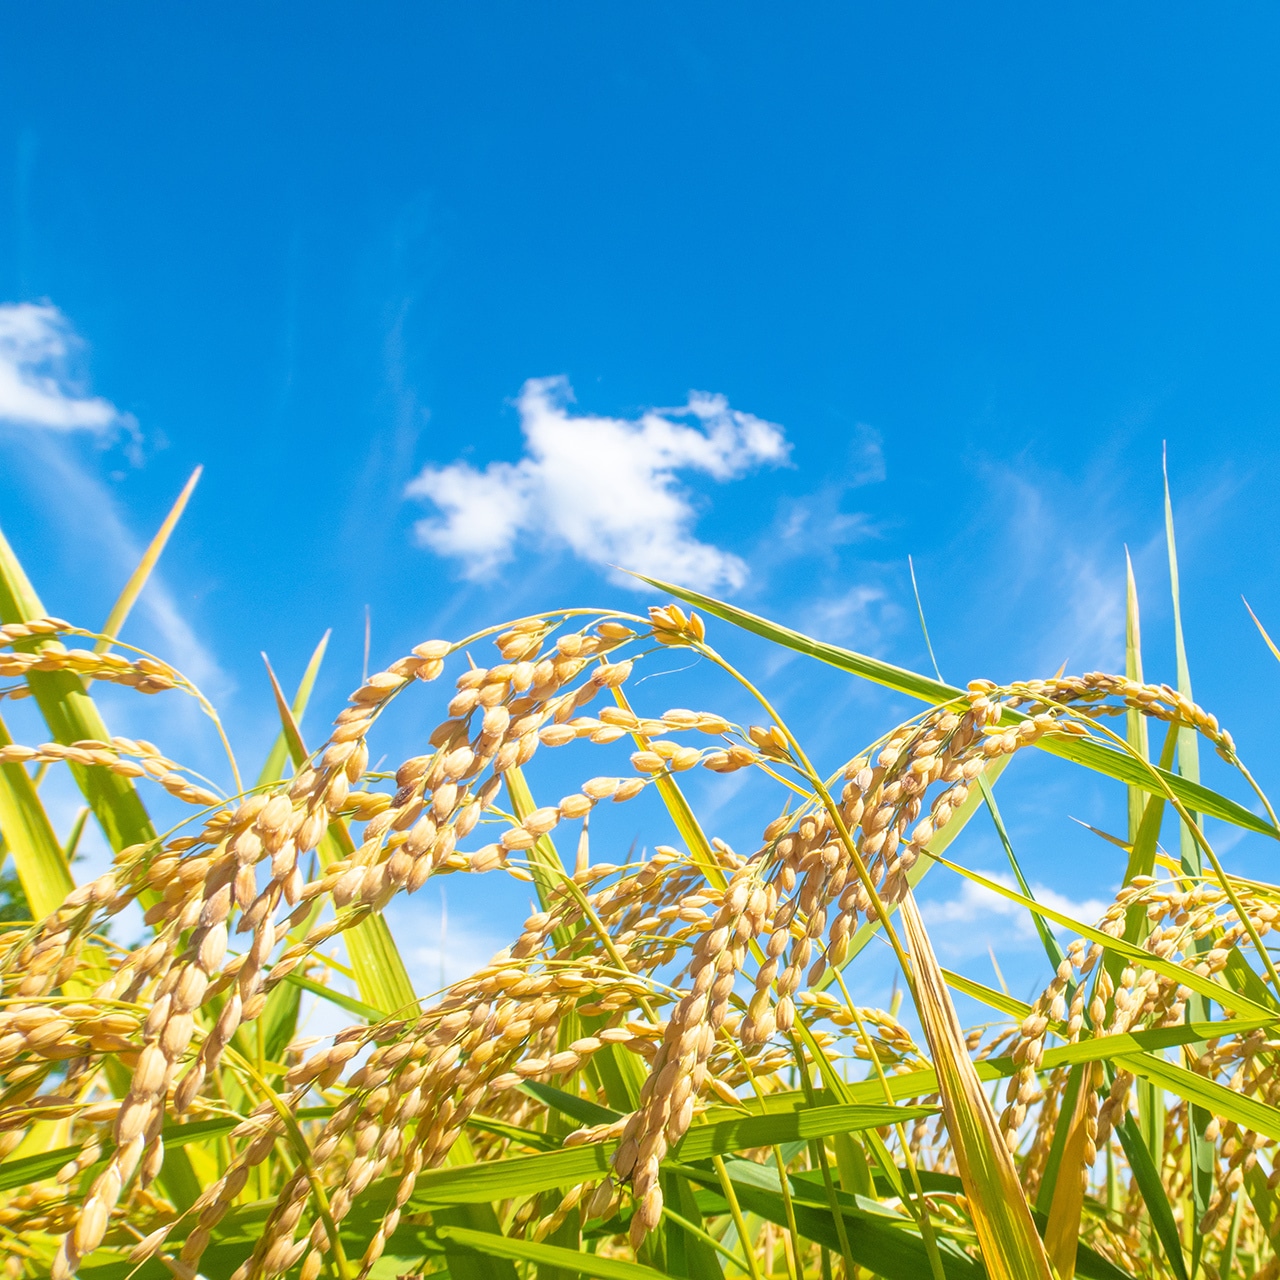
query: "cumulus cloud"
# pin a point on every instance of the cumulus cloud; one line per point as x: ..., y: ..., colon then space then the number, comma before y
x: 1006, y: 922
x: 605, y: 488
x: 37, y: 386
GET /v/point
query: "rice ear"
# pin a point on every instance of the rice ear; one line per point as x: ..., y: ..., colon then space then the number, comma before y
x: 1007, y: 1237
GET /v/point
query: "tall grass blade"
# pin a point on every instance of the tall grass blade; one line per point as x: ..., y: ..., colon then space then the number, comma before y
x: 1052, y: 948
x: 138, y: 578
x: 1271, y: 644
x: 1188, y: 739
x: 1135, y: 722
x: 1010, y: 1246
x: 274, y: 765
x: 1201, y: 1150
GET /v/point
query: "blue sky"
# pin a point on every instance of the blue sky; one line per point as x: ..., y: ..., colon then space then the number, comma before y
x: 458, y: 305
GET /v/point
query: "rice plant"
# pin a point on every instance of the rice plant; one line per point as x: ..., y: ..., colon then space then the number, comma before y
x: 666, y: 1072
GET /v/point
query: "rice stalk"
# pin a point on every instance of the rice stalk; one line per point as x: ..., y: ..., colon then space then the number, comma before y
x: 625, y: 1074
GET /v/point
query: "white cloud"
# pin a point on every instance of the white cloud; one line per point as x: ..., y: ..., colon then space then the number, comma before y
x: 37, y: 346
x: 441, y: 945
x: 38, y: 354
x: 606, y: 488
x: 1007, y: 923
x: 849, y: 613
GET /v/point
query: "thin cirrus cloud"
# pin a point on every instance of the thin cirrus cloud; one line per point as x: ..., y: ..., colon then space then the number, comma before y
x: 604, y: 488
x: 37, y: 350
x: 977, y: 916
x: 43, y: 399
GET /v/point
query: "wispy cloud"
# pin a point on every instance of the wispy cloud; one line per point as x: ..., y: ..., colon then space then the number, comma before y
x: 38, y: 382
x: 860, y: 611
x: 977, y: 918
x: 1057, y: 573
x: 604, y: 488
x: 42, y: 386
x: 446, y: 946
x: 86, y: 508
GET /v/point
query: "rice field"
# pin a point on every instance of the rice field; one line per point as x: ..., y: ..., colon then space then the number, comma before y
x: 666, y: 1073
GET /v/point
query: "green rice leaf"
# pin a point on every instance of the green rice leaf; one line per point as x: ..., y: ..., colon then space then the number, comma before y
x: 74, y: 836
x: 492, y: 1180
x: 1201, y: 1150
x: 38, y: 857
x: 465, y: 1261
x: 1082, y: 751
x: 1090, y: 1264
x: 993, y: 999
x: 1135, y: 721
x: 578, y: 1109
x: 1205, y: 986
x: 349, y: 1003
x: 525, y: 1175
x: 279, y: 755
x: 1049, y: 1178
x: 548, y: 1255
x: 138, y: 578
x: 923, y: 1081
x: 702, y: 1142
x: 1146, y: 840
x: 882, y: 1246
x: 1147, y: 1178
x: 1188, y: 738
x: 1261, y: 1196
x: 24, y: 1170
x: 545, y: 863
x: 1271, y: 644
x: 280, y: 1017
x: 71, y: 716
x: 1207, y: 1094
x: 687, y: 1250
x: 1052, y: 948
